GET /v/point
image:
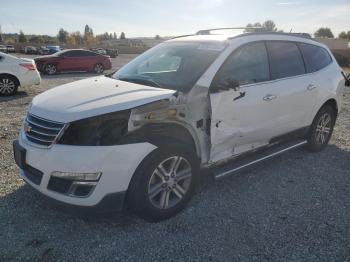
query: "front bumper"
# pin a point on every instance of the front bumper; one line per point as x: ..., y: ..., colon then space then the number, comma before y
x: 117, y: 164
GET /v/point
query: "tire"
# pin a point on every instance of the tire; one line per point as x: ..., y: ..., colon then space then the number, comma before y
x: 99, y: 68
x: 156, y: 195
x: 321, y: 129
x: 50, y: 69
x: 8, y: 85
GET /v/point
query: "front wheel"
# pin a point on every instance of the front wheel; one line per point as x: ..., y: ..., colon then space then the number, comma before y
x: 321, y: 129
x: 163, y: 183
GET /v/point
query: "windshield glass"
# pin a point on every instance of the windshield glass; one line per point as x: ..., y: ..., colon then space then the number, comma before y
x: 174, y: 65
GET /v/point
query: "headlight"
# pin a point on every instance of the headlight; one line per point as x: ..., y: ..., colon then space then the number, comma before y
x: 103, y: 130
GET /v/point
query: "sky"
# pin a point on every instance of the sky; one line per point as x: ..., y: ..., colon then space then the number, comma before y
x: 139, y: 18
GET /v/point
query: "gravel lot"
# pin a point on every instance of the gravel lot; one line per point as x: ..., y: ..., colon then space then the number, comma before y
x: 295, y: 207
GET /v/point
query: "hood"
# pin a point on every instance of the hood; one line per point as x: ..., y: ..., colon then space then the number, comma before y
x: 93, y: 96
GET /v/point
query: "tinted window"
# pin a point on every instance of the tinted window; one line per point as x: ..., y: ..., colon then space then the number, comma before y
x: 285, y: 59
x: 249, y: 64
x: 86, y: 53
x: 70, y: 53
x: 315, y: 57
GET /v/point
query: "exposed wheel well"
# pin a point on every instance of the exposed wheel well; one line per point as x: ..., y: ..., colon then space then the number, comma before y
x: 332, y: 103
x: 12, y: 76
x: 163, y: 134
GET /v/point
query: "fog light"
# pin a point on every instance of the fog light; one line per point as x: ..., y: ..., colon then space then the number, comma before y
x: 78, y: 176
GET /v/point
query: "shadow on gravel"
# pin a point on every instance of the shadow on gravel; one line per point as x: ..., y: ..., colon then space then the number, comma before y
x: 18, y: 95
x: 293, y: 206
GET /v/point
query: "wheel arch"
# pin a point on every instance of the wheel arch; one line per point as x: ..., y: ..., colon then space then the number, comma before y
x: 11, y: 75
x: 332, y: 103
x: 165, y: 134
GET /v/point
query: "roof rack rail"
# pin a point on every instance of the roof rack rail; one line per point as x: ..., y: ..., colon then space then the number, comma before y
x: 302, y: 35
x: 179, y: 36
x: 207, y: 31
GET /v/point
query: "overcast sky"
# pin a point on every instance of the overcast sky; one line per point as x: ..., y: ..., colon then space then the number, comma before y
x: 151, y: 17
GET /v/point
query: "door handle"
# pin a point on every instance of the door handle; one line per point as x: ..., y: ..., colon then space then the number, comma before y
x: 310, y: 87
x: 269, y: 97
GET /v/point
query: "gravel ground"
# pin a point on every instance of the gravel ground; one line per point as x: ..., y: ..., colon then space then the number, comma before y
x: 295, y: 207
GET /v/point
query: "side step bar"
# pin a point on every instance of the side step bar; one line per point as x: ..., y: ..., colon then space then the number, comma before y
x: 236, y: 165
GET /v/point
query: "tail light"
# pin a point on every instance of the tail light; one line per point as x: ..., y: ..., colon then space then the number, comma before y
x: 29, y: 66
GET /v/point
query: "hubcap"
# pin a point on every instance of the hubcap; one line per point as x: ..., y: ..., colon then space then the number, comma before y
x: 169, y: 182
x: 7, y: 86
x: 323, y: 128
x: 98, y: 68
x: 50, y: 69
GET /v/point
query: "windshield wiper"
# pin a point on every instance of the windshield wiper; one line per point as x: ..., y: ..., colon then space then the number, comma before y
x: 140, y: 80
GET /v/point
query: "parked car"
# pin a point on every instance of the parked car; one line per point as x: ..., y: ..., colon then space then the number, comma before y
x: 43, y: 50
x: 15, y: 72
x: 53, y: 49
x: 10, y: 49
x: 140, y: 136
x: 100, y: 51
x: 3, y: 48
x: 113, y: 53
x: 30, y: 50
x: 73, y: 60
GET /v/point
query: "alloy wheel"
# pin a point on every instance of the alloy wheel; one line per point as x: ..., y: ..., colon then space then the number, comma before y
x: 323, y: 128
x: 98, y: 68
x: 50, y: 69
x: 169, y: 182
x: 7, y: 86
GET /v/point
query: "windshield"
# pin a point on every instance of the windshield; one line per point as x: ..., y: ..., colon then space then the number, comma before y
x: 176, y: 65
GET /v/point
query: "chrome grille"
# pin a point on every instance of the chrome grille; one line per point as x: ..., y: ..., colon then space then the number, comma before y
x: 41, y: 131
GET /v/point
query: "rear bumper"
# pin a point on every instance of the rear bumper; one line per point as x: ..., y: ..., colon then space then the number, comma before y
x: 29, y: 78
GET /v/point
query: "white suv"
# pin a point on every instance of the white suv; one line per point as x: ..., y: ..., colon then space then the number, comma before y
x: 141, y: 135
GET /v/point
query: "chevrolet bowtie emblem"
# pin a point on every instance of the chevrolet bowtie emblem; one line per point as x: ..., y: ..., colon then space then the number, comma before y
x: 26, y: 128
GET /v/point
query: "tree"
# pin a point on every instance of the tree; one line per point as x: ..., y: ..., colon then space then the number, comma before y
x: 324, y: 32
x: 22, y: 38
x: 114, y: 35
x: 88, y: 32
x: 122, y: 35
x: 78, y: 38
x: 62, y: 36
x: 71, y: 40
x: 157, y: 37
x: 344, y: 35
x: 267, y: 26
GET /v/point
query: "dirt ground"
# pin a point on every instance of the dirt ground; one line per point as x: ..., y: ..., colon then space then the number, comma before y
x: 295, y: 207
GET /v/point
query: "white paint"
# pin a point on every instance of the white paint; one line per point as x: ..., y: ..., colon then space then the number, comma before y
x: 93, y: 96
x: 11, y: 65
x: 117, y: 164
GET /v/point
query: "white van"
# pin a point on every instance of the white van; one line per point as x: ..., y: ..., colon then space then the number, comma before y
x: 140, y: 136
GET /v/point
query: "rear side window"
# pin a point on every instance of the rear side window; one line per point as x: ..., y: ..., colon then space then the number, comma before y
x: 315, y: 57
x: 249, y: 64
x: 285, y: 59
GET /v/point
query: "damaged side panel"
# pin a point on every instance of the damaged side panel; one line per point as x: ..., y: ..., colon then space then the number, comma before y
x: 186, y: 117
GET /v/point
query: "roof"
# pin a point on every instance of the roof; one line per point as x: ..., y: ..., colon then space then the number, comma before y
x: 258, y: 36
